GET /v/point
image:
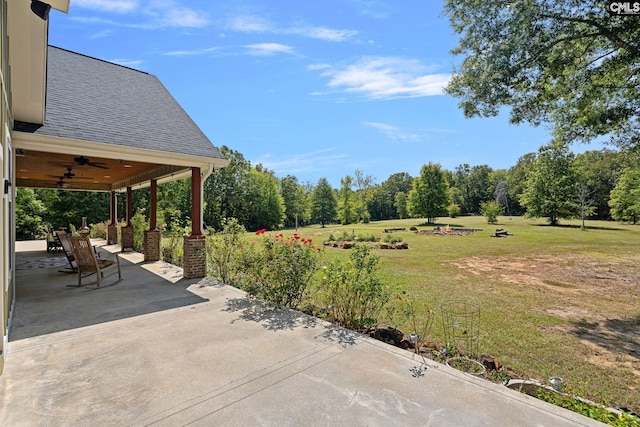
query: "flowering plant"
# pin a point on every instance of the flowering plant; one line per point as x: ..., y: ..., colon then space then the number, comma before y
x: 283, y: 269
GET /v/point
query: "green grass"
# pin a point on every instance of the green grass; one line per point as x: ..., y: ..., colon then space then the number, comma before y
x: 553, y: 300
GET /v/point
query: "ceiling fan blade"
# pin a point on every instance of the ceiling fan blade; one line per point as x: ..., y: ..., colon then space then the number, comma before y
x: 98, y: 165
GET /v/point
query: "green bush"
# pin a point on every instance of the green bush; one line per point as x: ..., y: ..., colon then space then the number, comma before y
x: 282, y: 270
x: 139, y: 223
x: 224, y: 252
x: 491, y: 210
x: 453, y: 210
x: 172, y: 247
x: 98, y: 231
x: 351, y: 291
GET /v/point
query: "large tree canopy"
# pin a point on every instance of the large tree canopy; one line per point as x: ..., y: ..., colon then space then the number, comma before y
x: 563, y: 62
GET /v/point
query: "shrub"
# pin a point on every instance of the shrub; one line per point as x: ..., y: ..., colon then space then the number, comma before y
x: 139, y: 223
x: 224, y: 251
x: 454, y: 210
x: 282, y: 270
x: 491, y: 210
x: 351, y: 291
x: 173, y: 245
x: 98, y: 231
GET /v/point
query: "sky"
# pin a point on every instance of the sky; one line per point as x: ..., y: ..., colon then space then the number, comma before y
x: 313, y: 89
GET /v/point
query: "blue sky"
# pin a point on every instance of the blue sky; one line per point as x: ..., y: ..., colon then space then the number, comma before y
x: 307, y: 88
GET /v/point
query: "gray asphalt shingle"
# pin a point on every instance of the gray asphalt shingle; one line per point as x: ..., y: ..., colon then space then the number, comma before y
x: 94, y: 100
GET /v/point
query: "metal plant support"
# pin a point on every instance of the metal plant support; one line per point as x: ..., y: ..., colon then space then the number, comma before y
x: 460, y: 321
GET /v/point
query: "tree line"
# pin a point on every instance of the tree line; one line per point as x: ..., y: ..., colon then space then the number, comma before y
x: 553, y: 183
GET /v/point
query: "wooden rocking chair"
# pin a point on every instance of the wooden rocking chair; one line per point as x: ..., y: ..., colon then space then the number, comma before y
x: 87, y: 261
x: 68, y: 251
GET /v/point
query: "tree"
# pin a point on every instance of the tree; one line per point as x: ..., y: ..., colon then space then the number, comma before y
x: 502, y: 195
x: 564, y: 62
x: 382, y: 205
x: 29, y: 212
x: 429, y: 197
x: 600, y: 171
x: 517, y: 181
x: 491, y: 210
x: 323, y: 203
x: 346, y: 208
x: 625, y: 197
x: 264, y: 204
x: 294, y: 198
x: 401, y: 205
x: 224, y: 191
x: 584, y: 202
x: 551, y: 184
x: 68, y: 207
x: 363, y: 185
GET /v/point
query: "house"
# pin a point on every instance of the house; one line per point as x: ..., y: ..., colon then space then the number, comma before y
x: 78, y: 123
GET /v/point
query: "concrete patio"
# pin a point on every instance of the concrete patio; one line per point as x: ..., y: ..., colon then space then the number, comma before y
x: 155, y: 349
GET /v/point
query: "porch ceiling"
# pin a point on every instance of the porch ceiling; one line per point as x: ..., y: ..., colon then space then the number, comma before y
x: 80, y: 172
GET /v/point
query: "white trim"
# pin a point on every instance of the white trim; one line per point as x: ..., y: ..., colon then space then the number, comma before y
x: 50, y: 144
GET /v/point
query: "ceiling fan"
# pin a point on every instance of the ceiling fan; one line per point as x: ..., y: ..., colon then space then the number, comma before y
x: 83, y: 161
x: 69, y: 175
x: 62, y: 184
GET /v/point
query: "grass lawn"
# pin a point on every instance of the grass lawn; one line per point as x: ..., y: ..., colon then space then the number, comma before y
x: 554, y: 301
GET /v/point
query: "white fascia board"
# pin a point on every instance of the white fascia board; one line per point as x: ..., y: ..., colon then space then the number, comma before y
x: 49, y: 144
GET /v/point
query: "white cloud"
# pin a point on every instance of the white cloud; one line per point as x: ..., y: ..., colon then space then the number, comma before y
x: 258, y: 24
x: 118, y: 6
x: 267, y: 49
x: 183, y: 17
x: 156, y: 14
x: 387, y: 78
x: 101, y: 34
x: 392, y: 132
x: 322, y: 33
x: 303, y: 162
x: 250, y: 24
x: 194, y: 52
x: 131, y: 63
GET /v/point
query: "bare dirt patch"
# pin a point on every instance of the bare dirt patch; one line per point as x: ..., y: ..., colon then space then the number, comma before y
x: 599, y: 297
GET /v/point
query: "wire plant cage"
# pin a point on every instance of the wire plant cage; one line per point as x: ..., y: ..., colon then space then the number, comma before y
x: 460, y: 322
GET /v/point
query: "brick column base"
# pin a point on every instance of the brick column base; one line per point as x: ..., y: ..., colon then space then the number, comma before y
x: 152, y: 239
x: 112, y: 234
x: 127, y: 238
x: 194, y: 261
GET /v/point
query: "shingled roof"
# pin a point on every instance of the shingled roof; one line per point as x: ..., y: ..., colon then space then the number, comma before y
x: 94, y: 100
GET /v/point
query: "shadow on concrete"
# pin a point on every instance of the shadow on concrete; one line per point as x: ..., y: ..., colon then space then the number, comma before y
x: 46, y: 304
x: 274, y: 319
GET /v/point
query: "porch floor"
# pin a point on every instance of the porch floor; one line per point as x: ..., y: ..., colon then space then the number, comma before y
x: 156, y: 349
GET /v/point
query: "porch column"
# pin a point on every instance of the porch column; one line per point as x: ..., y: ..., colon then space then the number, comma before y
x: 127, y: 231
x: 112, y: 228
x: 152, y: 236
x: 194, y: 259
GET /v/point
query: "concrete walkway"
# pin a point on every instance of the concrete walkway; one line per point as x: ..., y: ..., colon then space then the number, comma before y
x: 151, y: 350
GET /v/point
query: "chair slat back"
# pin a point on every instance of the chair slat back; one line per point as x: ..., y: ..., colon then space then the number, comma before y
x: 85, y: 256
x: 64, y: 241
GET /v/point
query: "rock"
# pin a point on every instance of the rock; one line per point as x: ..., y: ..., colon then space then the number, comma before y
x: 414, y: 229
x: 402, y: 245
x: 489, y: 362
x: 387, y: 334
x: 346, y: 245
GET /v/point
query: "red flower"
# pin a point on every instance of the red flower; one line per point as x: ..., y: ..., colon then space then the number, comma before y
x: 261, y: 231
x: 296, y: 236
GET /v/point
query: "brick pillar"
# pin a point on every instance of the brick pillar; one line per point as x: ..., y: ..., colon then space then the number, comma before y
x: 127, y: 238
x: 112, y: 234
x: 194, y: 258
x: 152, y: 240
